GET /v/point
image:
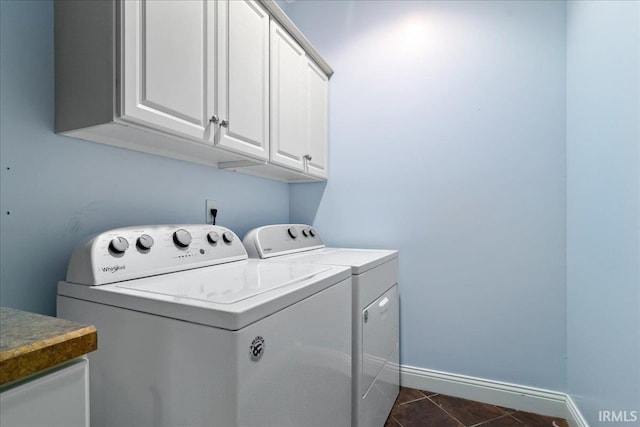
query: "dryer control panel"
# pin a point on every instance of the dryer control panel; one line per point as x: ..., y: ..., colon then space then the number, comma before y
x: 281, y: 239
x: 142, y: 251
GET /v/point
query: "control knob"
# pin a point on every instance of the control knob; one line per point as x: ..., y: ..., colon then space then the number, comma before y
x: 213, y: 237
x: 227, y: 236
x: 182, y: 238
x: 292, y: 232
x: 312, y: 232
x: 144, y: 242
x: 118, y: 245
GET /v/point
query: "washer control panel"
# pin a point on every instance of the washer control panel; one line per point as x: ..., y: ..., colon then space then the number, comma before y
x: 281, y: 239
x: 135, y: 252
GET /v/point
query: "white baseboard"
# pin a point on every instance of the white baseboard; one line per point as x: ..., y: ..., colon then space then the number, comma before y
x: 523, y: 398
x: 574, y: 416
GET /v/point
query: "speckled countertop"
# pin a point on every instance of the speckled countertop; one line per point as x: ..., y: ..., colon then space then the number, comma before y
x: 31, y: 342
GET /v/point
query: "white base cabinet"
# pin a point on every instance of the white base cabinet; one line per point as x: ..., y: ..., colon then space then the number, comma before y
x: 56, y: 398
x: 191, y: 80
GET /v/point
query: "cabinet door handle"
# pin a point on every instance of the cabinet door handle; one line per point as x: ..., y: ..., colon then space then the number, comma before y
x: 307, y: 157
x: 224, y: 123
x: 214, y: 119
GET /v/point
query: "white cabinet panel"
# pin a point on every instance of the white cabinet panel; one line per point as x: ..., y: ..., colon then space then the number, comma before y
x: 317, y: 120
x: 288, y: 112
x: 243, y: 78
x: 55, y: 398
x: 166, y: 74
x: 299, y: 103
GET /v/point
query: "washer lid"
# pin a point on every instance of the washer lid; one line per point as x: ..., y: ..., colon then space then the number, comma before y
x: 228, y: 296
x: 360, y: 260
x: 227, y: 283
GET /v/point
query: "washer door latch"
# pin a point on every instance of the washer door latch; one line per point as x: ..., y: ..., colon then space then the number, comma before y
x: 366, y: 316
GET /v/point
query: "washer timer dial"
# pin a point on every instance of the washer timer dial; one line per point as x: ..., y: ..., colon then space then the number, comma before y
x: 292, y: 232
x: 182, y: 238
x: 144, y: 242
x: 118, y: 245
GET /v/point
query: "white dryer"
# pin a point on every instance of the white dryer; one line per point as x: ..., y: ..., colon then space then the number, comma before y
x: 192, y: 333
x: 375, y: 310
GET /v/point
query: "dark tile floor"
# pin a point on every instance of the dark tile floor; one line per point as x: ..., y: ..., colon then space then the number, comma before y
x: 423, y: 408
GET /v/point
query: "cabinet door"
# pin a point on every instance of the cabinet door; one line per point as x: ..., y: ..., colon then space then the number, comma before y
x: 166, y: 83
x: 243, y: 78
x: 288, y: 105
x: 58, y: 397
x: 317, y: 97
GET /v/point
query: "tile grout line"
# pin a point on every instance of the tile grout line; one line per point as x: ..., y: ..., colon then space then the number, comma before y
x: 412, y: 401
x: 496, y: 418
x: 424, y: 396
x: 444, y: 410
x: 511, y: 415
x: 506, y: 414
x: 398, y: 422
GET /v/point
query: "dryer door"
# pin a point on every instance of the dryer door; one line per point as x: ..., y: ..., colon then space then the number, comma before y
x: 379, y: 335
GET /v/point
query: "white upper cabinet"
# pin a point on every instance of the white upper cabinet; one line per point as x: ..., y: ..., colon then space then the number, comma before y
x: 299, y: 107
x: 199, y: 69
x: 288, y: 112
x: 317, y: 103
x: 166, y: 76
x: 216, y: 82
x: 243, y: 78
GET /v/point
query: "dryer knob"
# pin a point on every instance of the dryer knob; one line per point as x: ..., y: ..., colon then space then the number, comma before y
x: 305, y: 232
x: 213, y: 237
x: 312, y: 232
x: 118, y: 245
x: 292, y: 232
x: 227, y: 236
x: 182, y: 238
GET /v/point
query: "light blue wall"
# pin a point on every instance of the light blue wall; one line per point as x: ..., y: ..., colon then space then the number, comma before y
x: 603, y: 207
x: 59, y: 190
x: 448, y: 143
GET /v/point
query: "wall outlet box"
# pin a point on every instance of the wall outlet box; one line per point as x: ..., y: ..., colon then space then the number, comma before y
x: 208, y: 205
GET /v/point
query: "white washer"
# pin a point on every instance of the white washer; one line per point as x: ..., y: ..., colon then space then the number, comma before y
x: 192, y: 333
x: 375, y: 321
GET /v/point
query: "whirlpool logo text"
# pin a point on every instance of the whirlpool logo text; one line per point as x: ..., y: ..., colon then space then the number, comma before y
x: 113, y: 268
